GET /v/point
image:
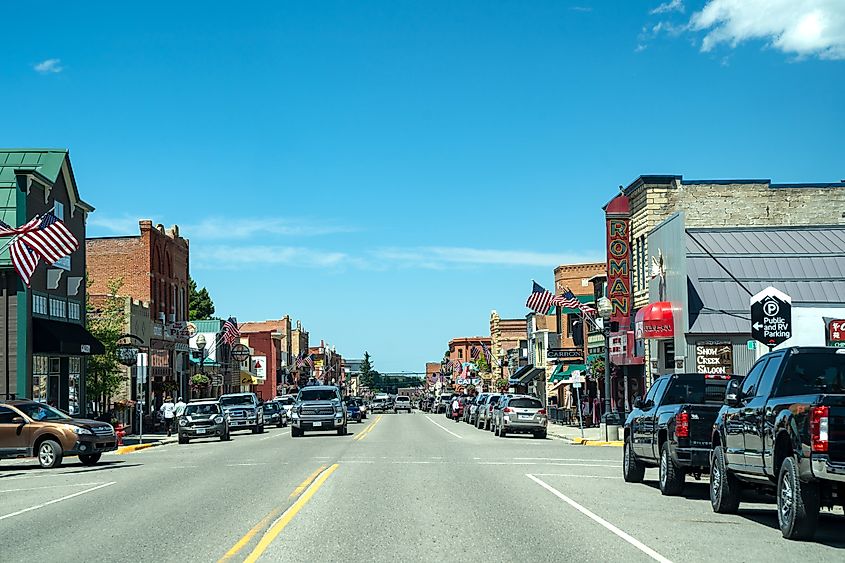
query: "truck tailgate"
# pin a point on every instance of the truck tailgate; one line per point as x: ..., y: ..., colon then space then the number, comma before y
x: 836, y: 426
x: 701, y: 419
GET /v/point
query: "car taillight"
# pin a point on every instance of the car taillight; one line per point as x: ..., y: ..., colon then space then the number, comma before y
x: 682, y: 425
x: 819, y: 428
x: 507, y: 409
x: 717, y: 376
x: 541, y: 411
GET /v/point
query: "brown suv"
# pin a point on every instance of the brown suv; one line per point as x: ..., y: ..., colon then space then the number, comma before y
x: 30, y: 429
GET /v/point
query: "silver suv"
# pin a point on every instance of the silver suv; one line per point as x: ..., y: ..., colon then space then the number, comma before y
x: 203, y: 419
x: 520, y: 414
x: 318, y: 407
x: 244, y: 411
x: 402, y: 403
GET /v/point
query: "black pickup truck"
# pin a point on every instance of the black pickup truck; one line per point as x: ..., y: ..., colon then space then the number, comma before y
x: 671, y: 429
x: 783, y: 431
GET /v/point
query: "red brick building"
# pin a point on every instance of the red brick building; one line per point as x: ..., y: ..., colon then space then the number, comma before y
x: 154, y: 267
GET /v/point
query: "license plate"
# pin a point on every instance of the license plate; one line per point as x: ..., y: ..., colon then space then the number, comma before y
x: 526, y: 416
x: 316, y: 423
x: 200, y: 430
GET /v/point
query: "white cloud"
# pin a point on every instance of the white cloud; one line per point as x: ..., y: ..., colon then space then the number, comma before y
x: 437, y: 257
x: 671, y: 6
x: 259, y: 256
x: 583, y: 9
x: 49, y: 66
x: 122, y: 225
x: 800, y: 27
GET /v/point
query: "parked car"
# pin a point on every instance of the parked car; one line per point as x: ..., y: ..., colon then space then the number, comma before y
x: 520, y: 414
x: 671, y: 428
x: 473, y: 409
x: 286, y: 401
x: 485, y: 411
x: 783, y: 431
x: 379, y: 405
x: 402, y: 403
x: 202, y: 419
x: 319, y: 407
x: 441, y: 404
x: 353, y: 410
x: 275, y: 413
x: 363, y: 406
x: 32, y: 429
x: 468, y: 404
x: 244, y: 411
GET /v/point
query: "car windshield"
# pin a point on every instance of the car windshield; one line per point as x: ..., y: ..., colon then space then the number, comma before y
x: 402, y: 399
x: 813, y: 372
x: 210, y: 408
x: 271, y: 407
x: 317, y: 395
x: 236, y: 400
x: 525, y: 403
x: 37, y: 411
x: 494, y: 399
x: 286, y: 400
x: 695, y: 389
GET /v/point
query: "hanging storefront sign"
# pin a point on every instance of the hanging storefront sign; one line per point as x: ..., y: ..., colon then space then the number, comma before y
x: 259, y: 367
x: 565, y: 353
x: 655, y: 321
x: 619, y: 267
x: 715, y: 357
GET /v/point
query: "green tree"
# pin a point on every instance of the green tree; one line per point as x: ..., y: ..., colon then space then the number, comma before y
x: 366, y: 377
x: 106, y: 321
x: 200, y: 305
x: 482, y: 365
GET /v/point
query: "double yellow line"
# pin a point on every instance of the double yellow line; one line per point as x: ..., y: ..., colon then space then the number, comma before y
x: 363, y: 434
x: 307, y: 489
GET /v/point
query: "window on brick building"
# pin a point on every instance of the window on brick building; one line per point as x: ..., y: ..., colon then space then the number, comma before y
x: 460, y: 353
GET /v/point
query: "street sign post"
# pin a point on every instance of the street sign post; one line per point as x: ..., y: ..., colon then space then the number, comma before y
x: 240, y: 352
x: 771, y: 317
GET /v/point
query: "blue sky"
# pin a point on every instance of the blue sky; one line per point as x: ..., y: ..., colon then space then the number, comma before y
x: 390, y: 172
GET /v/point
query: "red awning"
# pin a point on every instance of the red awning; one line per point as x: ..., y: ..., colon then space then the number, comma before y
x: 656, y: 320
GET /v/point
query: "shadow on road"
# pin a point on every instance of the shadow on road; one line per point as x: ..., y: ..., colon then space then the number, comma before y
x: 693, y: 490
x: 829, y: 531
x: 101, y: 466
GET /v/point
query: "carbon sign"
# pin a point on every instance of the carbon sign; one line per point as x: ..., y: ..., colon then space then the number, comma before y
x: 771, y: 317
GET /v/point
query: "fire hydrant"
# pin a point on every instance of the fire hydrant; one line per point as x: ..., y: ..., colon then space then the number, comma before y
x: 119, y: 432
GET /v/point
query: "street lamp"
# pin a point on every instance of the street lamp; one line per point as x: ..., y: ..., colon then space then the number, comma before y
x: 201, y: 342
x: 605, y: 310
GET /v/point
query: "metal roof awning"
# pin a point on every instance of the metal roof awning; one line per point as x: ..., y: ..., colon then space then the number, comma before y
x: 564, y: 372
x: 525, y: 375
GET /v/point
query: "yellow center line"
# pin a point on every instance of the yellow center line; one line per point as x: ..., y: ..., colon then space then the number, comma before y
x: 368, y: 429
x: 304, y: 485
x: 286, y: 518
x: 360, y: 434
x: 244, y: 541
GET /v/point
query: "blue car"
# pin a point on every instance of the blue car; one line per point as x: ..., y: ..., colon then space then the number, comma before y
x: 353, y: 410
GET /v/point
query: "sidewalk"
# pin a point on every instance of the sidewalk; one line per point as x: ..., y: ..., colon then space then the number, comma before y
x: 592, y: 436
x: 132, y: 443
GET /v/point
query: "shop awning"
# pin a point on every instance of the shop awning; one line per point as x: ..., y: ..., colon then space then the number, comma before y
x: 56, y: 337
x: 517, y: 375
x: 247, y: 378
x: 525, y: 375
x: 655, y: 320
x: 563, y: 372
x: 209, y: 362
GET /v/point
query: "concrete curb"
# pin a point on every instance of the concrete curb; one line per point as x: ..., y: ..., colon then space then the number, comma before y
x: 586, y: 442
x: 136, y: 447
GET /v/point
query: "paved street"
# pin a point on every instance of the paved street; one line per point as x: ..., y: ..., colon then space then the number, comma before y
x: 399, y: 487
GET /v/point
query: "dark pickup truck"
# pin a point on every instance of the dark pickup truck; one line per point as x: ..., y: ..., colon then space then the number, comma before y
x: 671, y: 429
x: 783, y: 431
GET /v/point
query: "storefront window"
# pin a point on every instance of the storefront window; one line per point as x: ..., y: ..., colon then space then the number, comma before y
x: 57, y: 308
x: 73, y: 310
x: 74, y: 375
x: 40, y: 373
x: 669, y: 355
x: 39, y: 304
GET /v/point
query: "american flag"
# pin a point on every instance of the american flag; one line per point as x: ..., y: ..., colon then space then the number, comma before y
x: 24, y: 259
x: 308, y: 361
x: 51, y: 239
x: 540, y: 299
x: 473, y: 352
x: 569, y: 301
x: 300, y: 360
x: 488, y: 355
x: 231, y: 332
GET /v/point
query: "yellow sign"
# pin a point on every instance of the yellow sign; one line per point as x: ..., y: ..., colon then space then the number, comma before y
x: 247, y: 380
x: 318, y: 363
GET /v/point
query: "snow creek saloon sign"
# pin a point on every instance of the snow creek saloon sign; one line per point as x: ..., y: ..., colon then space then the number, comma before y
x: 771, y: 317
x: 619, y: 266
x: 715, y: 357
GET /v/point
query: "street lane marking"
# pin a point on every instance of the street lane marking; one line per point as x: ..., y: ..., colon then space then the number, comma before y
x: 599, y: 520
x: 285, y: 519
x: 304, y: 485
x: 273, y: 436
x: 54, y: 501
x: 549, y: 463
x: 50, y: 487
x: 574, y: 475
x: 368, y: 429
x: 244, y: 464
x: 443, y: 428
x: 563, y: 459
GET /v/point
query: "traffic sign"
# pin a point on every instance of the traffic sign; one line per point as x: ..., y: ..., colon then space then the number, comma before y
x: 771, y: 317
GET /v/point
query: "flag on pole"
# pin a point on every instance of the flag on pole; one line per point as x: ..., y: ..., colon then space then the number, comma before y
x: 570, y: 301
x: 473, y: 352
x: 51, y: 239
x: 540, y: 299
x: 24, y: 259
x: 309, y: 361
x: 231, y: 332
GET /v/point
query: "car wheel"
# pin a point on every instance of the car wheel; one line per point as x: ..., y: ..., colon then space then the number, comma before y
x: 632, y: 470
x: 90, y: 459
x: 672, y: 477
x: 50, y: 454
x: 541, y: 434
x: 503, y: 433
x: 495, y: 430
x: 798, y: 503
x: 225, y: 437
x: 261, y: 429
x: 724, y: 486
x: 183, y: 440
x: 341, y: 431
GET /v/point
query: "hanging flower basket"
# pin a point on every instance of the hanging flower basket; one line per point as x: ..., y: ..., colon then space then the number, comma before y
x: 200, y: 380
x: 502, y: 384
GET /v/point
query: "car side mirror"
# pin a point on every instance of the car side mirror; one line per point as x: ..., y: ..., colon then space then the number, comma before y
x: 733, y: 394
x: 638, y: 403
x: 18, y: 420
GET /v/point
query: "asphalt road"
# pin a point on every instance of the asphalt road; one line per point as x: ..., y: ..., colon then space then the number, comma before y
x: 400, y: 487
